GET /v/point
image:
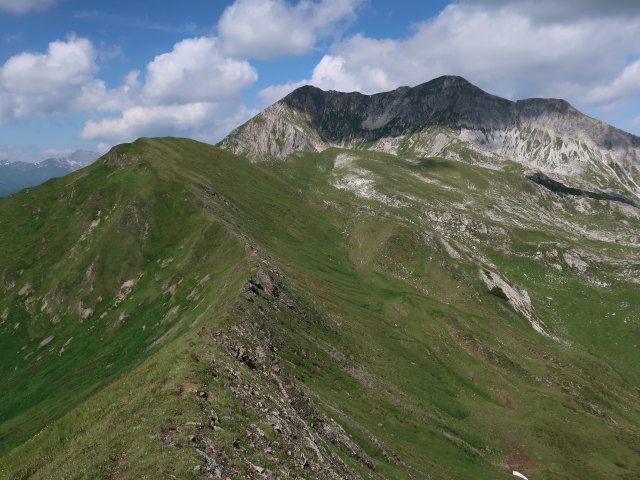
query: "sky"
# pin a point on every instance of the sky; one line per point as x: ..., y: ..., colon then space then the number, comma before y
x: 85, y: 74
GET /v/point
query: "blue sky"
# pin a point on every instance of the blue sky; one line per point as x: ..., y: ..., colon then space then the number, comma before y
x: 88, y: 74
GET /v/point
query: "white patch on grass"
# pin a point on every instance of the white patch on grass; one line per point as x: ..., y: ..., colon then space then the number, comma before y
x: 450, y: 250
x: 166, y: 262
x: 575, y: 261
x: 365, y: 188
x: 125, y: 290
x: 518, y: 297
x: 45, y: 341
x: 344, y: 160
x: 84, y: 312
x: 92, y: 226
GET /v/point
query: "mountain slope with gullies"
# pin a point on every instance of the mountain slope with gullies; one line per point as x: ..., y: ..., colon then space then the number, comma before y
x: 177, y: 311
x: 451, y: 118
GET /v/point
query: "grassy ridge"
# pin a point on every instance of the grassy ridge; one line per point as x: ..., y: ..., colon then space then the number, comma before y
x: 149, y: 234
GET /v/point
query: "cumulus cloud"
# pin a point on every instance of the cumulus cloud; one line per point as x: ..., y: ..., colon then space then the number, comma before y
x: 69, y: 63
x: 196, y: 71
x: 193, y: 90
x: 503, y: 50
x: 330, y: 74
x: 103, y: 148
x: 60, y: 81
x: 625, y: 85
x: 273, y: 93
x: 271, y: 28
x: 203, y: 120
x: 34, y: 84
x: 25, y: 6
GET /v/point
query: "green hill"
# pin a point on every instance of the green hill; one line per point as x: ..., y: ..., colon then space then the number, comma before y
x: 175, y: 311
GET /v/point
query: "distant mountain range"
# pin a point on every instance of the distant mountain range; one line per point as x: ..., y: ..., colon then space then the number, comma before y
x: 15, y: 176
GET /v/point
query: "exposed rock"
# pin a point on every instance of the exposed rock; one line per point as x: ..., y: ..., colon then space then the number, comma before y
x: 276, y: 132
x: 189, y: 388
x: 125, y: 289
x: 516, y: 296
x: 451, y: 118
x: 45, y: 341
x: 304, y: 432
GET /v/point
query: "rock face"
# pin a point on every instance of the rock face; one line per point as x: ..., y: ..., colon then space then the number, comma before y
x: 451, y: 118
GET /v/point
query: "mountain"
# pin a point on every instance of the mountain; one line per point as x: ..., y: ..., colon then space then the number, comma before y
x: 450, y: 118
x: 14, y: 176
x: 175, y: 310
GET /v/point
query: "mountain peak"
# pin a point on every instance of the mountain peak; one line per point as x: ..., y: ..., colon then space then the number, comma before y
x: 447, y: 81
x: 451, y: 118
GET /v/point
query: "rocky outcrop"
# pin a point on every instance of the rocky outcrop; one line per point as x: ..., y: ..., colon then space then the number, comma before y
x: 305, y: 438
x: 276, y: 132
x: 451, y: 118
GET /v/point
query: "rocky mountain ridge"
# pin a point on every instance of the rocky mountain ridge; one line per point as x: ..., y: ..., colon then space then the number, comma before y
x: 450, y: 118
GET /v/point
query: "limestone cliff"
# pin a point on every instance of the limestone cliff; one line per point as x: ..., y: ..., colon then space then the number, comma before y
x: 451, y: 118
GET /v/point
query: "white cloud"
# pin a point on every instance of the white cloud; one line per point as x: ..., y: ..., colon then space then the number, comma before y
x: 103, y: 148
x: 60, y: 81
x: 272, y: 28
x: 70, y: 63
x: 329, y: 74
x: 273, y: 93
x: 25, y: 6
x: 193, y: 90
x: 511, y: 48
x: 110, y: 52
x: 625, y: 85
x: 196, y: 71
x: 204, y: 120
x: 503, y: 51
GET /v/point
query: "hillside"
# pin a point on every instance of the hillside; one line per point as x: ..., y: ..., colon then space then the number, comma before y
x: 450, y: 118
x: 176, y: 311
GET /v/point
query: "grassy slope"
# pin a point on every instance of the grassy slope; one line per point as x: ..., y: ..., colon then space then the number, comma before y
x: 54, y: 264
x: 410, y: 354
